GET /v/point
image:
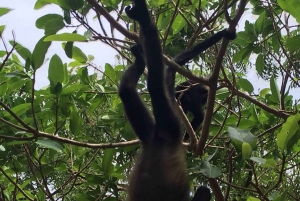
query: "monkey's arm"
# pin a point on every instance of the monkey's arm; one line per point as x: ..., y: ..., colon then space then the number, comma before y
x: 189, y: 54
x: 137, y: 113
x: 183, y: 57
x: 167, y: 123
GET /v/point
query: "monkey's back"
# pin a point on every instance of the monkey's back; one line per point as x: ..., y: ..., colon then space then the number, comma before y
x: 159, y: 175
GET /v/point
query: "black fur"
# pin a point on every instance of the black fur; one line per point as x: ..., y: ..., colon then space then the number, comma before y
x: 192, y: 97
x: 202, y: 194
x: 160, y: 171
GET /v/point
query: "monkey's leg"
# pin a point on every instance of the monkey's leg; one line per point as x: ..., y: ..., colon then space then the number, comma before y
x: 166, y: 120
x: 137, y: 113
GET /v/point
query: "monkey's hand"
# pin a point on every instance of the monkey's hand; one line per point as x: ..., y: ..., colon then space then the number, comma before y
x: 202, y: 194
x: 138, y: 12
x: 229, y: 36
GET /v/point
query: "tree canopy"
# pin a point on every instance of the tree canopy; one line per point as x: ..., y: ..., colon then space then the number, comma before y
x: 71, y: 140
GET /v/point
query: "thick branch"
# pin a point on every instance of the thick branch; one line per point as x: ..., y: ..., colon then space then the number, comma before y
x: 112, y: 21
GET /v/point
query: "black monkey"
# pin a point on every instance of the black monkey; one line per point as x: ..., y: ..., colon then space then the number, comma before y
x: 194, y: 95
x: 160, y: 170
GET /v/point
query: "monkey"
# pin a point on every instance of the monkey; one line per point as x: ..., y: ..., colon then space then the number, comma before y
x: 152, y: 168
x: 152, y: 177
x: 160, y: 170
x: 194, y: 95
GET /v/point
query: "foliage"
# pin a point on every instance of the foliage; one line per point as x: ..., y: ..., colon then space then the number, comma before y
x: 71, y: 140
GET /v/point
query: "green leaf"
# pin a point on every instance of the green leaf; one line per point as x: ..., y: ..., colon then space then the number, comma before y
x: 2, y: 53
x: 2, y: 148
x: 2, y: 27
x: 289, y: 129
x: 40, y: 4
x: 55, y: 88
x: 66, y: 109
x: 3, y: 89
x: 16, y: 86
x: 292, y: 7
x: 15, y: 58
x: 246, y: 85
x: 210, y: 170
x: 51, y: 23
x: 73, y: 88
x: 39, y: 53
x: 72, y: 37
x: 42, y: 22
x: 159, y: 2
x: 110, y: 72
x: 246, y: 123
x: 258, y: 160
x: 243, y: 54
x: 4, y: 11
x: 56, y: 71
x: 50, y: 144
x: 94, y: 179
x: 75, y: 123
x: 71, y: 4
x: 67, y: 16
x: 274, y: 90
x: 259, y: 23
x: 260, y: 64
x: 246, y: 150
x: 19, y: 109
x: 78, y: 55
x: 222, y: 93
x: 264, y: 92
x: 178, y: 24
x: 107, y: 165
x: 254, y: 114
x: 245, y: 38
x: 54, y: 26
x: 270, y: 163
x: 293, y: 43
x: 253, y: 199
x: 280, y: 196
x: 69, y: 49
x: 238, y: 136
x: 22, y: 51
x: 275, y: 43
x: 84, y: 75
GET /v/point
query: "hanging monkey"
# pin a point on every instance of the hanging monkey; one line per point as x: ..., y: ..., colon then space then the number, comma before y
x: 160, y: 170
